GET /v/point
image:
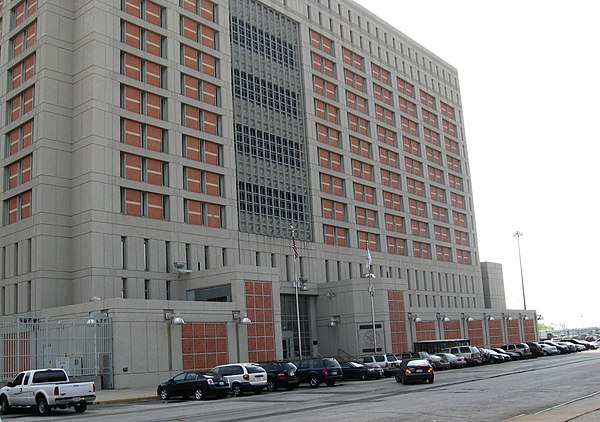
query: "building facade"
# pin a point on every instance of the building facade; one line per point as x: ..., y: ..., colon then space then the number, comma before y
x: 160, y: 158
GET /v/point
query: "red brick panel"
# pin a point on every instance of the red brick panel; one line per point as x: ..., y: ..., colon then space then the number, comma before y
x: 425, y: 330
x: 397, y: 320
x: 475, y: 333
x: 16, y: 352
x: 259, y: 304
x: 452, y: 330
x: 495, y: 331
x: 512, y: 328
x: 529, y: 330
x: 204, y: 345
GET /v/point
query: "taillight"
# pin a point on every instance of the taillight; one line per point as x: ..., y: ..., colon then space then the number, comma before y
x: 246, y: 377
x: 281, y: 374
x: 56, y: 390
x: 94, y: 387
x: 324, y: 371
x: 430, y: 370
x: 407, y: 371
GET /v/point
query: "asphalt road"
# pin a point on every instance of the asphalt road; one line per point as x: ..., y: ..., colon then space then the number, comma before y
x: 485, y: 393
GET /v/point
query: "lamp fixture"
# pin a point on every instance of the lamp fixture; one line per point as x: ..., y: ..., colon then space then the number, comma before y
x: 180, y: 266
x: 489, y: 317
x: 301, y: 284
x: 241, y: 318
x: 414, y: 318
x: 334, y: 321
x: 174, y: 318
x: 539, y: 317
x: 331, y: 294
x: 523, y: 317
x: 443, y: 318
x: 467, y: 318
x: 508, y: 317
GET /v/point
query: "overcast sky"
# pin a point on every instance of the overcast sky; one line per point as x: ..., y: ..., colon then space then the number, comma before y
x: 530, y: 85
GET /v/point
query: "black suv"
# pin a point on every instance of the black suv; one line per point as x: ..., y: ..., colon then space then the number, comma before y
x: 536, y: 349
x: 318, y: 370
x: 280, y: 374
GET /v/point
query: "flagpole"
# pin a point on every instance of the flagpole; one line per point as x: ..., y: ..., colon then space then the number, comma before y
x: 296, y: 286
x: 370, y: 275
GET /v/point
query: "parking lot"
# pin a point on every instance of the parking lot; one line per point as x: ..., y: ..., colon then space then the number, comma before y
x: 486, y: 393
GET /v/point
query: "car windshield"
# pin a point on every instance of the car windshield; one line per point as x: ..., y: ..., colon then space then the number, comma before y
x: 252, y: 369
x: 288, y: 365
x: 211, y: 374
x: 379, y: 358
x: 418, y: 362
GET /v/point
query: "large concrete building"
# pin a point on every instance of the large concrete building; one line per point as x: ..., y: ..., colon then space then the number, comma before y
x: 160, y: 158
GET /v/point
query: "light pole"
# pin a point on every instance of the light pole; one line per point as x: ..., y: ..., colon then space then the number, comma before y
x: 296, y: 284
x: 371, y: 276
x: 518, y: 235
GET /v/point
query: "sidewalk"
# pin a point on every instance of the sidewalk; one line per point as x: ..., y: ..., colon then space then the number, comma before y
x: 123, y: 395
x: 584, y: 409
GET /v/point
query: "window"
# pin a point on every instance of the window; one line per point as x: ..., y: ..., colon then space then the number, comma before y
x: 143, y: 169
x: 461, y: 238
x: 366, y: 217
x: 332, y: 184
x: 406, y: 88
x: 202, y: 120
x: 330, y: 160
x: 453, y: 163
x: 394, y: 223
x: 146, y: 253
x: 364, y: 193
x: 17, y: 208
x: 358, y: 124
x: 439, y: 213
x: 206, y: 9
x: 447, y: 110
x: 384, y: 115
x: 123, y: 288
x: 203, y: 213
x: 147, y: 10
x: 22, y: 72
x: 356, y: 102
x: 143, y: 70
x: 422, y: 250
x: 22, y: 11
x: 321, y: 42
x: 413, y: 166
x: 419, y: 228
x: 382, y: 94
x: 123, y: 252
x: 416, y: 187
x: 388, y: 157
x: 431, y: 136
x: 437, y: 194
x: 19, y: 138
x: 427, y: 99
x: 323, y: 65
x: 23, y: 40
x: 386, y: 136
x: 325, y: 88
x: 196, y: 60
x: 429, y: 118
x: 408, y: 107
x: 362, y: 170
x: 143, y: 102
x: 142, y: 38
x: 457, y: 200
x: 326, y: 111
x: 21, y: 104
x: 441, y: 233
x: 463, y: 257
x: 333, y: 235
x: 448, y: 127
x: 146, y: 289
x: 334, y: 210
x: 354, y: 80
x: 389, y: 178
x: 18, y: 172
x: 380, y: 74
x: 417, y: 207
x: 144, y: 136
x: 443, y: 253
x: 459, y: 219
x: 433, y: 155
x: 193, y: 30
x: 144, y: 204
x: 411, y: 146
x: 353, y: 59
x: 392, y: 201
x: 201, y: 181
x: 455, y: 182
x: 328, y: 135
x: 409, y: 126
x: 396, y: 246
x: 204, y: 151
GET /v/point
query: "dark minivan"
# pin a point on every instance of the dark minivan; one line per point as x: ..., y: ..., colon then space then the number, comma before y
x: 280, y: 374
x: 318, y: 370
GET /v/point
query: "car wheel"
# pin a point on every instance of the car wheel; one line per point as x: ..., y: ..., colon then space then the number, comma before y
x: 163, y: 394
x: 236, y: 390
x: 4, y: 406
x: 430, y: 380
x: 271, y: 386
x: 198, y: 394
x: 313, y: 382
x: 330, y: 383
x: 80, y: 407
x: 404, y: 381
x: 398, y: 378
x: 41, y: 406
x: 363, y: 376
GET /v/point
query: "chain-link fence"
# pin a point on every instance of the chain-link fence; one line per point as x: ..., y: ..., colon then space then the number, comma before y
x: 81, y: 346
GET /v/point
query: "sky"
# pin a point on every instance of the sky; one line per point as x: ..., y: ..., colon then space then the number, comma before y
x: 530, y: 87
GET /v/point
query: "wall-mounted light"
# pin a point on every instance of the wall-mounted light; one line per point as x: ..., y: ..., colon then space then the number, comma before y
x: 174, y: 318
x: 180, y: 266
x: 489, y: 317
x: 301, y: 284
x: 539, y: 317
x: 414, y: 318
x: 443, y: 318
x: 331, y: 294
x: 523, y: 317
x: 240, y: 317
x: 467, y: 318
x: 508, y: 317
x: 334, y: 321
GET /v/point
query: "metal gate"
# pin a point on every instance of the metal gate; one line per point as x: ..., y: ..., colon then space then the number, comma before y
x: 81, y: 346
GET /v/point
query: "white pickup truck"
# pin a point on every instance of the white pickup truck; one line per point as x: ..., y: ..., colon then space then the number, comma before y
x: 45, y: 389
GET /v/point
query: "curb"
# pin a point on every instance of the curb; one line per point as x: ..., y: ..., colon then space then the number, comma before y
x: 126, y: 399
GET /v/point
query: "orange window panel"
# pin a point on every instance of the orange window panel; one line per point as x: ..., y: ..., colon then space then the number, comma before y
x: 210, y: 122
x: 27, y: 133
x: 155, y: 206
x: 133, y: 202
x: 13, y: 175
x: 30, y: 35
x: 213, y: 184
x: 25, y: 204
x: 191, y: 5
x: 29, y: 67
x: 192, y: 117
x: 153, y: 43
x: 213, y: 215
x: 209, y: 37
x: 190, y: 57
x: 13, y: 141
x: 153, y: 74
x: 133, y: 67
x: 329, y: 233
x: 190, y: 28
x: 134, y: 8
x: 210, y: 93
x: 19, y: 12
x: 327, y: 208
x: 153, y: 13
x: 194, y: 212
x: 191, y: 87
x: 153, y: 105
x: 211, y: 153
x: 13, y: 205
x: 17, y: 75
x: 133, y: 167
x: 28, y: 100
x: 209, y: 65
x: 15, y: 108
x: 207, y: 10
x: 154, y: 171
x: 17, y: 43
x: 193, y: 180
x: 133, y: 99
x: 133, y: 133
x: 26, y: 169
x: 133, y: 35
x: 192, y: 148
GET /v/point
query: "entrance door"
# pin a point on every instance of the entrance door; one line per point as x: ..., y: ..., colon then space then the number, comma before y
x: 289, y: 351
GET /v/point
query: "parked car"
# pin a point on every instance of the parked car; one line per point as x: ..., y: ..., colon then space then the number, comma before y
x: 562, y: 349
x: 319, y: 370
x: 575, y: 347
x: 415, y: 370
x: 512, y: 355
x: 194, y: 383
x: 587, y: 344
x: 520, y: 348
x: 358, y: 371
x: 495, y: 357
x: 280, y: 374
x: 46, y: 389
x: 536, y: 349
x: 243, y: 377
x: 388, y: 362
x: 439, y: 363
x: 470, y: 353
x: 408, y: 355
x: 548, y: 350
x: 453, y: 360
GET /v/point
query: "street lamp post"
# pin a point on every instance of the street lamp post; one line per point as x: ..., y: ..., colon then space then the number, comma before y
x: 371, y: 276
x: 518, y: 235
x: 296, y: 284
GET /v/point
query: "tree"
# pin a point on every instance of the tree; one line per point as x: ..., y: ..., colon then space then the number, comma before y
x: 545, y: 327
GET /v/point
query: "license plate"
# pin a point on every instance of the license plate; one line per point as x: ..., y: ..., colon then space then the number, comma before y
x: 419, y: 370
x: 333, y: 372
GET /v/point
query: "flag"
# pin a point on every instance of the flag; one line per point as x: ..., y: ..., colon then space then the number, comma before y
x: 369, y: 259
x: 294, y: 249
